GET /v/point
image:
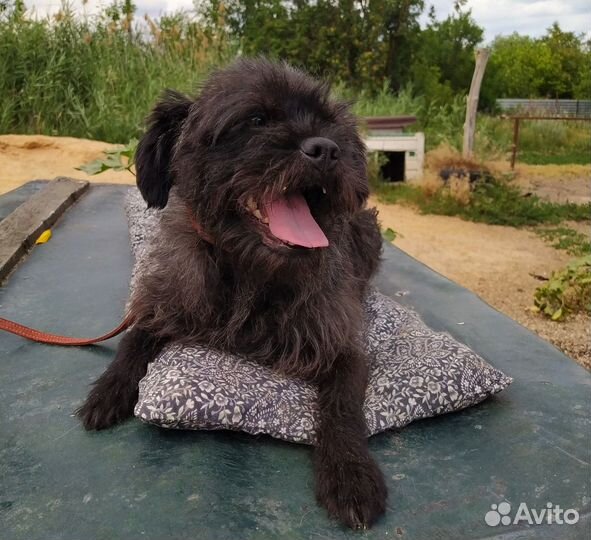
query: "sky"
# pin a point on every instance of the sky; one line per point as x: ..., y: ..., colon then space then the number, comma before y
x: 497, y: 17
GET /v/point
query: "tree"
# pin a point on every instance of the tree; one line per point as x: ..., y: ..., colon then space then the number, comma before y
x: 567, y: 61
x: 14, y: 9
x: 557, y: 65
x: 443, y: 66
x: 374, y: 44
x: 360, y: 42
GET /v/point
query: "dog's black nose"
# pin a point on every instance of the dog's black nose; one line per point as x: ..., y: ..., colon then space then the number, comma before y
x: 323, y: 152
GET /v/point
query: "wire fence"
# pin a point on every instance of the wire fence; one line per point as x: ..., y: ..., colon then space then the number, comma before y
x: 550, y: 107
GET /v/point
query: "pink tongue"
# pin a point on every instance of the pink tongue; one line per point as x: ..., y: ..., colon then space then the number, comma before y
x: 290, y: 220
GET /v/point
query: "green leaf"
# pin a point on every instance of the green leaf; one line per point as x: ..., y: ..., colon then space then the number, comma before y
x: 557, y: 314
x: 94, y: 167
x: 389, y: 234
x: 112, y: 160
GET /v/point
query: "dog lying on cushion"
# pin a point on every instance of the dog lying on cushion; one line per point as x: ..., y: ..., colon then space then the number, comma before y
x: 265, y: 250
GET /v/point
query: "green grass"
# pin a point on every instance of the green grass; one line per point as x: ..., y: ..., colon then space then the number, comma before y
x: 495, y: 203
x: 565, y: 158
x: 541, y: 142
x: 567, y: 239
x: 91, y: 78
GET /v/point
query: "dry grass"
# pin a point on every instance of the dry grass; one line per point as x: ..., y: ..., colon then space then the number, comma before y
x: 552, y: 171
x: 557, y: 183
x: 430, y: 183
x: 459, y: 189
x: 446, y: 156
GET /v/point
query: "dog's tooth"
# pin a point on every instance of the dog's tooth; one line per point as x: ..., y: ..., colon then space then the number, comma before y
x: 252, y: 205
x: 265, y: 220
x: 257, y: 214
x: 284, y: 189
x: 324, y: 190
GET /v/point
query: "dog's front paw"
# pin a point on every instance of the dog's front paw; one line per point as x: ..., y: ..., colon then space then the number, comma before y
x: 104, y: 410
x: 354, y: 493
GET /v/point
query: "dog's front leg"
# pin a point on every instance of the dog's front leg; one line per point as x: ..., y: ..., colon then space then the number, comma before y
x: 115, y: 392
x: 348, y: 481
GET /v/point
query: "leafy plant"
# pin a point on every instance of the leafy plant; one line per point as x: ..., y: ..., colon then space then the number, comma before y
x: 117, y: 159
x: 567, y: 291
x: 389, y: 234
x: 573, y: 242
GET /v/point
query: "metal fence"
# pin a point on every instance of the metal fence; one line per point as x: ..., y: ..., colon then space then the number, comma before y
x: 558, y: 107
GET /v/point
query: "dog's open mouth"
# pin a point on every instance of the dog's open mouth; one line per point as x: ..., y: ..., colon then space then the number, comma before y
x: 289, y: 220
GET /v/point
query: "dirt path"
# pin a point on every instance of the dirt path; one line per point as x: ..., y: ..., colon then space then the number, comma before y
x: 495, y: 262
x: 571, y: 183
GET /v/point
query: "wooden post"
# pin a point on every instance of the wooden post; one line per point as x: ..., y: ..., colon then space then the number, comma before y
x: 515, y: 142
x: 472, y: 104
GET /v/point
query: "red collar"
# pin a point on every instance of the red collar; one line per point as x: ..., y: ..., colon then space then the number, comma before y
x: 200, y: 230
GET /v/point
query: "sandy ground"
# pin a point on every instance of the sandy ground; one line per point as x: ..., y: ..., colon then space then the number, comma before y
x: 570, y: 183
x: 37, y: 157
x: 497, y: 263
x: 557, y: 183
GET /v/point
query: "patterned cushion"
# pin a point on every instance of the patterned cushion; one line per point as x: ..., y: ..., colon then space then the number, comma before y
x: 415, y: 373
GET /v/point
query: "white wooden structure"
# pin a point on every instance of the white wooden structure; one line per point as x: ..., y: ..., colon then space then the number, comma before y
x: 413, y: 146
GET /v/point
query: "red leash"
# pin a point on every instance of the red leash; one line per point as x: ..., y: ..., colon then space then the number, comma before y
x: 54, y: 339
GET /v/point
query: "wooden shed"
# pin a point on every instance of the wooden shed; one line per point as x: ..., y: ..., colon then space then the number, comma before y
x: 405, y: 151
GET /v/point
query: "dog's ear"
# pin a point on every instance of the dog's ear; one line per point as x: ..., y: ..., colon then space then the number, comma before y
x: 154, y: 151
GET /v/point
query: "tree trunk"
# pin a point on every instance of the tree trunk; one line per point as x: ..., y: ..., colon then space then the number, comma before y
x: 472, y: 104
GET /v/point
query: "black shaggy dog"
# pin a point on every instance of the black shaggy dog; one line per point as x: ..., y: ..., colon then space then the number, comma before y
x: 265, y: 250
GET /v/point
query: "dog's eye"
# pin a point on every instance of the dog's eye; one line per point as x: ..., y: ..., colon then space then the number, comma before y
x: 257, y: 120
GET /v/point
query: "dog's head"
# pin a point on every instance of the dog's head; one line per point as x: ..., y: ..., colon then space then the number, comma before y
x: 262, y: 155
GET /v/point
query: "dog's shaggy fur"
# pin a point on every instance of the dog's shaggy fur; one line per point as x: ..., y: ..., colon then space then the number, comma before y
x: 217, y: 276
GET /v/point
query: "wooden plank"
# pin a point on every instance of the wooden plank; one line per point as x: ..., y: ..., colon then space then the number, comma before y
x: 388, y: 122
x: 20, y: 229
x: 515, y: 142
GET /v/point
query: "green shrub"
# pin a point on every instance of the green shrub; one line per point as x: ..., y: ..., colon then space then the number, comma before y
x: 573, y: 242
x: 567, y: 291
x: 495, y: 202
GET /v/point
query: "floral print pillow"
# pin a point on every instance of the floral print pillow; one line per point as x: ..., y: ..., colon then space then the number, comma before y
x: 415, y: 373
